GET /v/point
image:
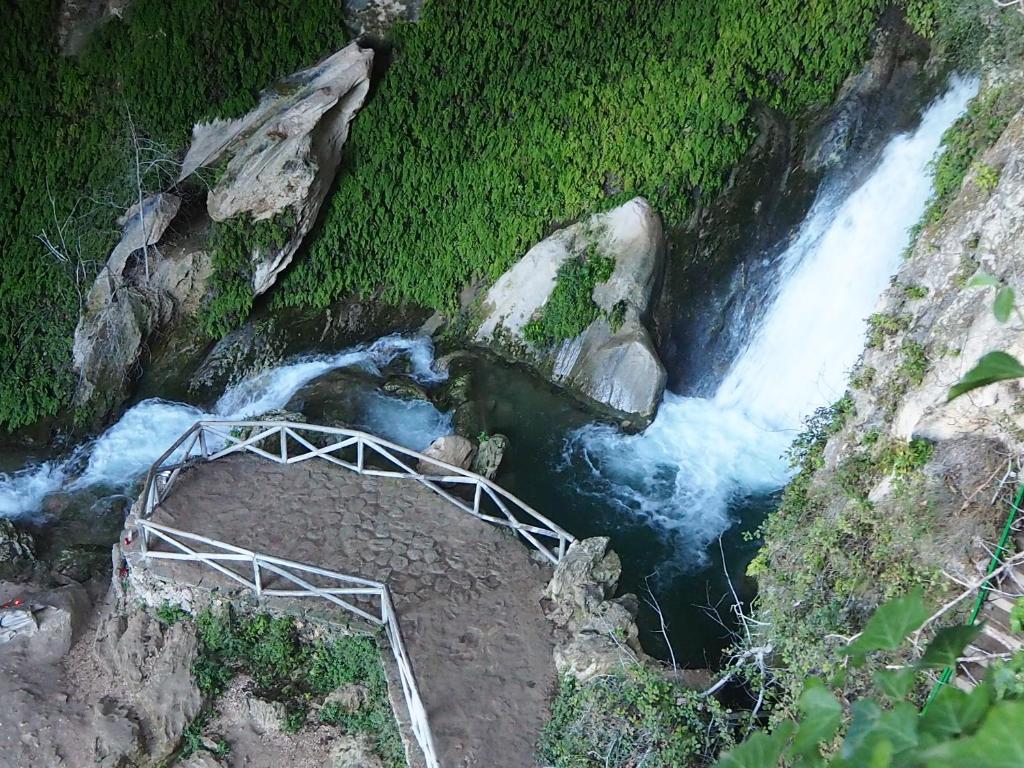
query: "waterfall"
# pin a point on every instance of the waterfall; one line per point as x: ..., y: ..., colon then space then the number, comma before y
x: 699, y: 455
x: 116, y: 458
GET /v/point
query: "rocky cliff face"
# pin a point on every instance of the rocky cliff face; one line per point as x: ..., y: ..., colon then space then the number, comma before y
x: 612, y: 361
x: 900, y: 487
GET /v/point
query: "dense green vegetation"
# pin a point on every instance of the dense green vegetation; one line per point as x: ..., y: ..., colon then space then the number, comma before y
x: 570, y: 308
x: 287, y: 668
x: 888, y: 728
x: 635, y: 717
x: 500, y: 118
x: 986, y: 118
x: 831, y: 554
x: 232, y: 245
x: 66, y: 143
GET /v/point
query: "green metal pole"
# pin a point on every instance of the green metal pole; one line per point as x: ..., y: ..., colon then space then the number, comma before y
x: 997, y: 558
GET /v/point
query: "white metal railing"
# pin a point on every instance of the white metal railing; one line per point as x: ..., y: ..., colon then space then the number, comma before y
x: 357, y: 452
x: 348, y: 586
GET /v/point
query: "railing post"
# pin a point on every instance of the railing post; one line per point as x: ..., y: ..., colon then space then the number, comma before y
x: 359, y: 455
x: 476, y: 498
x: 143, y: 540
x: 284, y: 446
x: 203, y: 447
x: 256, y: 578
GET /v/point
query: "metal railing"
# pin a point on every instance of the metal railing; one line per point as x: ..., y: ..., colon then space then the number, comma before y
x: 355, y: 451
x: 348, y: 586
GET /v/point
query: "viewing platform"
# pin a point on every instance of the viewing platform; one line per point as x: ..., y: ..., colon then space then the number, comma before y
x: 337, y: 520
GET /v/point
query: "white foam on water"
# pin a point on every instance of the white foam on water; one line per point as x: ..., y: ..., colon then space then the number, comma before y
x: 126, y: 450
x: 701, y: 454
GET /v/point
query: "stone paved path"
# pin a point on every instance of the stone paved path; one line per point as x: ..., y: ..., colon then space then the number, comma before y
x: 467, y: 593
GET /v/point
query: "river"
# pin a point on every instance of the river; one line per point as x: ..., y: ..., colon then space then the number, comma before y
x: 676, y: 498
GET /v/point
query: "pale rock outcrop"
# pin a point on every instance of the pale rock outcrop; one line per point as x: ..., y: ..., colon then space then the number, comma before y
x: 282, y: 155
x: 46, y: 622
x: 15, y: 544
x: 489, y: 454
x: 116, y: 314
x: 154, y: 664
x: 947, y: 326
x: 599, y: 634
x: 451, y: 449
x: 375, y: 17
x: 354, y: 752
x: 616, y: 367
x: 265, y: 716
x: 982, y: 230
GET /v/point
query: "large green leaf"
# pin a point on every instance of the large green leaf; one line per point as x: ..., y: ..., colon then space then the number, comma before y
x: 983, y: 279
x: 889, y: 627
x: 895, y: 684
x: 954, y: 712
x: 761, y: 750
x: 1003, y: 305
x: 822, y: 715
x: 948, y: 645
x: 876, y: 736
x: 865, y: 720
x: 997, y: 744
x: 993, y: 367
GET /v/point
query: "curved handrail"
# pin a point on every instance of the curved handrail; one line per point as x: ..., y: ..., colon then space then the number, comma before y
x: 209, y: 440
x: 220, y: 433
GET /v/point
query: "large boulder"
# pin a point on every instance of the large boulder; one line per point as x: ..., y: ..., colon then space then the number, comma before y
x: 15, y: 544
x: 117, y: 315
x: 154, y: 663
x: 44, y: 623
x: 613, y: 361
x: 451, y: 449
x: 586, y: 577
x: 489, y: 454
x: 282, y: 156
x: 597, y: 634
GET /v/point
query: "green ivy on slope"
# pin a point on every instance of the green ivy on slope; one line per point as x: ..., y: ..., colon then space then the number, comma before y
x: 65, y: 149
x: 499, y: 118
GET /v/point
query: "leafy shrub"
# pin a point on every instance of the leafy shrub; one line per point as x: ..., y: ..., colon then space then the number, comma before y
x: 632, y: 718
x: 914, y: 292
x: 887, y: 728
x: 986, y: 177
x: 170, y: 614
x: 232, y: 246
x: 913, y: 361
x: 829, y: 554
x: 500, y: 118
x: 570, y: 307
x: 882, y: 325
x: 287, y: 668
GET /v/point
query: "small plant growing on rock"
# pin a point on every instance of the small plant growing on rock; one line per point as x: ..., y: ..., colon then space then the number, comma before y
x: 882, y: 326
x: 987, y: 178
x: 914, y: 291
x: 170, y: 613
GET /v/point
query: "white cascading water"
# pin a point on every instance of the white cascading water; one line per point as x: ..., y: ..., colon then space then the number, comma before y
x: 701, y: 454
x: 121, y: 454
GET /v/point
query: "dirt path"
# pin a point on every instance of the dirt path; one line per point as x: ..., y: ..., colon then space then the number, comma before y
x: 467, y: 594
